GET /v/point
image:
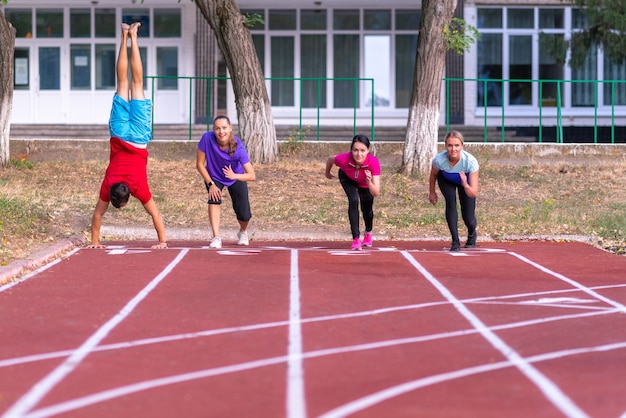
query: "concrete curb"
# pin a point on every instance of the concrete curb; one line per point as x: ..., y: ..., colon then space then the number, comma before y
x: 18, y: 268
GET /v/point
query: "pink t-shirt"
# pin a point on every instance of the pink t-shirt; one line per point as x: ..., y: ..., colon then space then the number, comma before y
x: 346, y: 163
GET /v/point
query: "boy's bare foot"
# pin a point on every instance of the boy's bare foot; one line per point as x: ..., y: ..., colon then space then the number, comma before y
x: 134, y: 27
x: 125, y: 28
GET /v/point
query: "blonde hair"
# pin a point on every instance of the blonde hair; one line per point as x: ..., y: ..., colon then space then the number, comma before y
x: 454, y: 134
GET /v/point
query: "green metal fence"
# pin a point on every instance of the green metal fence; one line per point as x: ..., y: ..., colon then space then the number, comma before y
x: 317, y: 109
x: 558, y: 106
x: 556, y: 109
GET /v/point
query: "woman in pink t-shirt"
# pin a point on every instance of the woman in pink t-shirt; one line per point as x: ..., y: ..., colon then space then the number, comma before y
x: 359, y: 175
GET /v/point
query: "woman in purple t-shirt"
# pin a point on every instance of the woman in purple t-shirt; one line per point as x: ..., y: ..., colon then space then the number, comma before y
x: 222, y: 161
x: 359, y: 175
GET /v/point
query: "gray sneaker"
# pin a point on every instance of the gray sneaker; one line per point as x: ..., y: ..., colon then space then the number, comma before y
x: 216, y: 242
x: 243, y: 238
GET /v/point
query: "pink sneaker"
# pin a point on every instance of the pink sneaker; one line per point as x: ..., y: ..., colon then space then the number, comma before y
x: 367, y: 240
x: 356, y: 244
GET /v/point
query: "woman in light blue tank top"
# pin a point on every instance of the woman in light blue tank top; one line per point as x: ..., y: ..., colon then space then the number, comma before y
x: 456, y: 170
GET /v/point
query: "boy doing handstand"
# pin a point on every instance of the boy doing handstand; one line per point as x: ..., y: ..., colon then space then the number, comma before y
x: 130, y: 131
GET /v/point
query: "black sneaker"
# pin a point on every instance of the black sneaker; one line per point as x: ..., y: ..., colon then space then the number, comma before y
x: 471, y: 240
x: 456, y: 246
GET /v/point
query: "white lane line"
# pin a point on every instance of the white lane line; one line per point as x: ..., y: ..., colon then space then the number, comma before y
x: 574, y: 283
x: 296, y: 403
x: 210, y: 332
x: 391, y: 392
x: 45, y: 385
x: 550, y: 390
x: 339, y: 412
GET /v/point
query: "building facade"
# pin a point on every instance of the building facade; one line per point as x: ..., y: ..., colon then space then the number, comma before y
x: 323, y: 60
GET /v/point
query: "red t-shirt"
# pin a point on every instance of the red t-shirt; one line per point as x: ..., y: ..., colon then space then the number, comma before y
x: 127, y: 164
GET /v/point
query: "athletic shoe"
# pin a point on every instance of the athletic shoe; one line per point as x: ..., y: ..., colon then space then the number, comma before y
x: 471, y: 240
x: 356, y: 244
x: 367, y: 240
x: 243, y: 238
x: 455, y: 246
x: 216, y: 242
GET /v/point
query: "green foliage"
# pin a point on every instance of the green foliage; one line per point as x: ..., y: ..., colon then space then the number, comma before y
x: 605, y: 27
x: 293, y: 142
x: 21, y: 163
x: 251, y: 20
x: 460, y: 36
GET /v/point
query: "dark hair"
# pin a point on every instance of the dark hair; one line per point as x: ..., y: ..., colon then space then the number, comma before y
x: 232, y: 144
x: 362, y: 139
x: 119, y: 194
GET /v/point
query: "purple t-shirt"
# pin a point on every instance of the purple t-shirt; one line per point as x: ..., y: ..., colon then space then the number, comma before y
x: 346, y: 163
x: 217, y: 159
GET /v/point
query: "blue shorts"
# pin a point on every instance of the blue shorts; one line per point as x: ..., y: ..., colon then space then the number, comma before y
x: 131, y: 121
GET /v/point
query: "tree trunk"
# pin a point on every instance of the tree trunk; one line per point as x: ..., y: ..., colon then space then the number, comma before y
x: 7, y: 50
x: 420, y: 144
x: 254, y: 111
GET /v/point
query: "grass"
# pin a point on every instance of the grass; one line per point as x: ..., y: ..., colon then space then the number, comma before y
x: 42, y: 202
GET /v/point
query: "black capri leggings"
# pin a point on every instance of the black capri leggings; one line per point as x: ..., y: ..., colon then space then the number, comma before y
x: 356, y: 194
x: 238, y: 195
x: 468, y: 206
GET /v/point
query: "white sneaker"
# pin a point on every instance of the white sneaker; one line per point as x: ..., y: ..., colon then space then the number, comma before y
x: 216, y: 242
x: 243, y: 238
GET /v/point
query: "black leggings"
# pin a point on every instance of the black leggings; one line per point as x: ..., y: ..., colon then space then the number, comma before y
x: 356, y: 194
x: 238, y: 192
x: 468, y: 206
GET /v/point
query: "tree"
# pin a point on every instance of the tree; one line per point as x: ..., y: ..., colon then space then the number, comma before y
x: 420, y: 143
x: 254, y: 111
x: 7, y: 50
x: 605, y: 27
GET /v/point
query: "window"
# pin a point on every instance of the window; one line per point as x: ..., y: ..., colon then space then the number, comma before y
x: 167, y: 23
x: 282, y: 20
x: 615, y: 87
x: 551, y: 68
x: 49, y: 68
x: 105, y: 22
x: 105, y: 66
x: 551, y: 18
x: 489, y: 18
x: 313, y: 64
x: 22, y: 21
x: 80, y: 23
x: 408, y: 19
x: 282, y: 67
x: 49, y: 23
x: 520, y: 68
x: 346, y: 65
x: 313, y: 19
x: 406, y: 45
x: 138, y: 15
x: 80, y: 56
x: 21, y: 69
x: 490, y: 70
x: 377, y: 20
x: 520, y: 18
x: 167, y: 66
x: 346, y: 20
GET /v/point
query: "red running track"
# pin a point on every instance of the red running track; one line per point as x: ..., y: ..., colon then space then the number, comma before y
x: 283, y: 329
